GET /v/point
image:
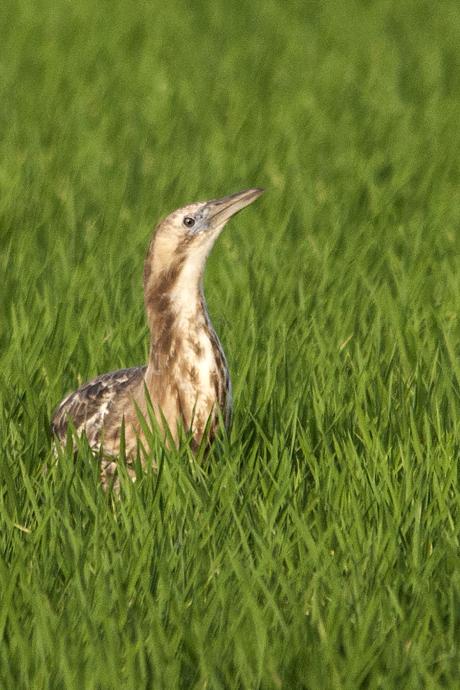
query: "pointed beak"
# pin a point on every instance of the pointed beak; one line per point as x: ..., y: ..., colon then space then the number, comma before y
x: 218, y: 211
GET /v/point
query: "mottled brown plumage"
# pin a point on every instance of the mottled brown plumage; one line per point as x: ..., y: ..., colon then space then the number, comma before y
x: 186, y: 380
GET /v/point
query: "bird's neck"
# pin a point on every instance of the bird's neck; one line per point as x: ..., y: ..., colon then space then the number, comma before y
x: 174, y: 303
x: 186, y: 377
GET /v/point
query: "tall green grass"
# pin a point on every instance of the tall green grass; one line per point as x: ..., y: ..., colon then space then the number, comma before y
x: 318, y: 544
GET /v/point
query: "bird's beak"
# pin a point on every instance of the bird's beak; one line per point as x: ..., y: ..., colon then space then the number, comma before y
x: 218, y: 211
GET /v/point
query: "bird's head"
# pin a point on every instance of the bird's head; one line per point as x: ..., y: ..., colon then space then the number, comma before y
x: 183, y: 240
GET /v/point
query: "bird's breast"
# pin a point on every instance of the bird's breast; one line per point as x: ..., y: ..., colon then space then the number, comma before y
x: 201, y: 380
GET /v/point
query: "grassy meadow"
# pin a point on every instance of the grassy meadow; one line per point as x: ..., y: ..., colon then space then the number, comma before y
x: 317, y: 546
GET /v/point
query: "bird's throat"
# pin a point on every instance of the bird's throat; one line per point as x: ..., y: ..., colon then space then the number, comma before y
x: 186, y: 375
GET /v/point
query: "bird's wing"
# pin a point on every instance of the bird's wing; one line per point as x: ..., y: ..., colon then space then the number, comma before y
x: 88, y: 406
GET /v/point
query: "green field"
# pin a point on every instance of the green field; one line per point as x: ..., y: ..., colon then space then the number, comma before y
x: 317, y: 546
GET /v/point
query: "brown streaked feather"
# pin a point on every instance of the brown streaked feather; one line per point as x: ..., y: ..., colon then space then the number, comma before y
x: 89, y: 407
x: 186, y: 383
x: 220, y: 377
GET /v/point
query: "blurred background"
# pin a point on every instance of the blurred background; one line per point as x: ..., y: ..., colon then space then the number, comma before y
x: 336, y: 297
x: 113, y: 115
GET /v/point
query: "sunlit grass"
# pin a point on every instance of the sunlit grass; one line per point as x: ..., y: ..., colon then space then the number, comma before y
x: 317, y: 546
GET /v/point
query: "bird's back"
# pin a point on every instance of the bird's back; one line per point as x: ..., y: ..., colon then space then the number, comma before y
x: 96, y: 405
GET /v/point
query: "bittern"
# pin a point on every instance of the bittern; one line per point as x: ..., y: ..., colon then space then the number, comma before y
x: 186, y: 383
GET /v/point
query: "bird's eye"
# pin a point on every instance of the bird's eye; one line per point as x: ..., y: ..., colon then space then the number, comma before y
x: 189, y: 222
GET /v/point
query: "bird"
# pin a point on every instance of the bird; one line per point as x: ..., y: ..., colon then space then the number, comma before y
x: 185, y: 385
